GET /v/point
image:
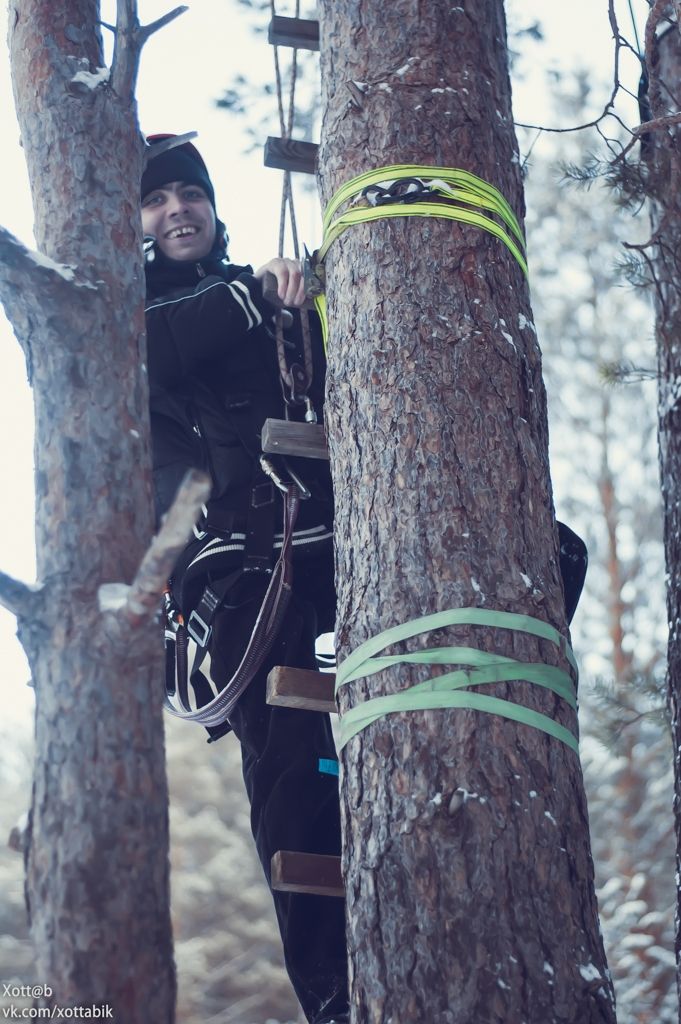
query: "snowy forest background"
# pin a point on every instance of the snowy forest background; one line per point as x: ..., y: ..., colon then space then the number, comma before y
x: 592, y: 323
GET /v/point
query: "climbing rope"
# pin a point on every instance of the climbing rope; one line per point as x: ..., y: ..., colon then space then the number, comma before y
x: 295, y: 382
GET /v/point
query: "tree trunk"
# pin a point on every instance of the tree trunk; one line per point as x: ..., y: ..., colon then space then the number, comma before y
x: 468, y: 869
x: 97, y: 857
x: 663, y: 148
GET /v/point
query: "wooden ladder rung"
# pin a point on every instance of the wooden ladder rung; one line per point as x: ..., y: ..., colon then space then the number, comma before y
x: 297, y: 32
x: 285, y: 437
x: 291, y: 155
x: 313, y: 873
x: 301, y: 688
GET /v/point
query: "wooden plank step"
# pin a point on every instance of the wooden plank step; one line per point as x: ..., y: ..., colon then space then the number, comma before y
x: 312, y: 873
x: 291, y: 155
x: 301, y: 688
x: 285, y: 437
x: 302, y: 34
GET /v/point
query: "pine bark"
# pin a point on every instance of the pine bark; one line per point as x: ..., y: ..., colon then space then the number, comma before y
x: 468, y: 869
x: 97, y: 858
x: 662, y: 149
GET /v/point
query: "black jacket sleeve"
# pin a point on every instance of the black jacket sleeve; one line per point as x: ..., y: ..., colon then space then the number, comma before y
x: 201, y: 324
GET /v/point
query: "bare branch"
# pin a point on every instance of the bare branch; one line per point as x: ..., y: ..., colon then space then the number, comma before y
x: 655, y: 125
x: 130, y: 38
x: 145, y: 593
x: 25, y: 275
x: 158, y: 148
x: 17, y: 262
x: 616, y: 86
x: 658, y: 122
x: 127, y: 48
x: 154, y: 26
x: 18, y: 598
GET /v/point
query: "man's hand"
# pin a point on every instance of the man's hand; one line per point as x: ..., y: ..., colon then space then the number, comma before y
x: 290, y: 282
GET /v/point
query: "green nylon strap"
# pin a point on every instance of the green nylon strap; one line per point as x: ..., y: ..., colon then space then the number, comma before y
x: 492, y: 668
x: 459, y: 185
x: 487, y: 195
x: 357, y: 719
x: 364, y: 215
x: 320, y: 306
x: 445, y: 691
x: 452, y: 617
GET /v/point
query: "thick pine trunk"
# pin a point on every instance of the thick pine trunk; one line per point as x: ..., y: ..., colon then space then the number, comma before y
x: 468, y: 869
x: 97, y: 861
x: 664, y: 185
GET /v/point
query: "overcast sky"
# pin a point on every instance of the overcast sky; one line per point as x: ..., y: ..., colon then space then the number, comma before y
x: 184, y: 69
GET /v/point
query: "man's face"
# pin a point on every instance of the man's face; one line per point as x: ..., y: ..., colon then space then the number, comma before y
x: 181, y: 219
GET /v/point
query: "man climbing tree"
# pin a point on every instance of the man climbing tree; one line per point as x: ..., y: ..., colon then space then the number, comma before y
x: 469, y: 879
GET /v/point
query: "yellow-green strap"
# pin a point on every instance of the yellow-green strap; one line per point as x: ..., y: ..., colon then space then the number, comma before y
x: 445, y: 691
x: 462, y: 186
x: 362, y: 215
x: 320, y: 306
x: 493, y: 199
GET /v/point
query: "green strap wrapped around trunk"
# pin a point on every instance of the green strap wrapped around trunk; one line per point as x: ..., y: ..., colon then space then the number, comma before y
x: 450, y: 690
x: 469, y: 192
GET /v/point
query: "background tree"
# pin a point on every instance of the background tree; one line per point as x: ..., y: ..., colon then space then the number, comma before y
x: 604, y: 461
x: 96, y: 846
x: 466, y: 836
x: 663, y: 54
x: 653, y: 172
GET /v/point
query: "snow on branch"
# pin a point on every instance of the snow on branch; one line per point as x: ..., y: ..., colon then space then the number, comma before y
x: 143, y: 597
x: 17, y: 261
x: 130, y: 38
x: 24, y: 274
x: 18, y: 598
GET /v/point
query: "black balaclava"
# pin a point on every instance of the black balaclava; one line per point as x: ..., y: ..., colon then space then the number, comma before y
x: 182, y: 163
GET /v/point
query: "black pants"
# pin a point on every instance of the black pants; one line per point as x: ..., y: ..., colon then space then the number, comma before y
x: 294, y: 804
x: 286, y: 754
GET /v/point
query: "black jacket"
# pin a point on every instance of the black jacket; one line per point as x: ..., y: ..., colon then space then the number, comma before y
x: 213, y: 380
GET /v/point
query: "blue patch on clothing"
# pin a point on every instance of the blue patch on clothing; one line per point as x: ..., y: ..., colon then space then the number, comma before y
x: 327, y: 766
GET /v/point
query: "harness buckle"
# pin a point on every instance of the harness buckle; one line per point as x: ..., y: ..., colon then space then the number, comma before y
x: 199, y: 630
x: 271, y: 472
x: 313, y: 274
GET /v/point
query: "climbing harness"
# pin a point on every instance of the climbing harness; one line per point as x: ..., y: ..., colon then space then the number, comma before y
x: 450, y: 690
x: 199, y: 625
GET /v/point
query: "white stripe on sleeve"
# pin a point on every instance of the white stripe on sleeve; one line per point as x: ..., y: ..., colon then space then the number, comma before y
x: 237, y: 298
x: 249, y: 301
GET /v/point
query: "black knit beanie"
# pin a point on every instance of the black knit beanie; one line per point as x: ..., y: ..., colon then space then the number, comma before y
x: 182, y: 163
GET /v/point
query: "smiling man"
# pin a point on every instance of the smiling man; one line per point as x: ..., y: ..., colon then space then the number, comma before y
x: 213, y: 380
